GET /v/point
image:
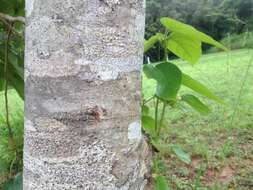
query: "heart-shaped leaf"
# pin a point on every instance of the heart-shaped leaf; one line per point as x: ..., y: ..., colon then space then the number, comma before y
x: 168, y: 77
x: 191, y: 32
x: 184, y: 47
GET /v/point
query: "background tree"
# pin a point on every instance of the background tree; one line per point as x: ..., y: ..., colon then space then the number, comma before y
x: 217, y: 18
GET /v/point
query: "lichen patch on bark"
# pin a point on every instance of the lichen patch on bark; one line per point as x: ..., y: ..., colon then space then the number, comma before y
x: 29, y: 7
x: 134, y: 132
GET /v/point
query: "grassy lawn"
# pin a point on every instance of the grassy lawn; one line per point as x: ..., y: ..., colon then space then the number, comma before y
x: 10, y: 163
x: 220, y: 144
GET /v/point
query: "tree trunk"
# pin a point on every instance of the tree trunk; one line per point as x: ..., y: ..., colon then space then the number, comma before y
x: 83, y: 93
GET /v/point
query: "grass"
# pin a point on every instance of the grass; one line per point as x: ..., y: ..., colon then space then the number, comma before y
x: 11, y: 161
x: 220, y: 144
x: 220, y: 148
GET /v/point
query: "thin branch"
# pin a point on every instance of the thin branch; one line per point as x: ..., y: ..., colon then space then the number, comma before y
x: 12, y: 18
x: 156, y: 114
x: 6, y: 85
x: 9, y: 25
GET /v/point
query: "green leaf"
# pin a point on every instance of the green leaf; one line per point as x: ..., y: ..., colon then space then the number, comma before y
x: 14, y: 184
x: 196, y: 104
x: 15, y: 71
x: 161, y: 183
x: 145, y: 110
x: 184, y: 47
x: 14, y: 65
x: 1, y: 84
x: 199, y: 88
x: 152, y: 72
x: 152, y: 40
x: 209, y: 40
x: 148, y: 125
x: 17, y: 83
x: 182, y: 155
x: 168, y: 77
x: 177, y: 26
x: 14, y: 80
x: 191, y: 32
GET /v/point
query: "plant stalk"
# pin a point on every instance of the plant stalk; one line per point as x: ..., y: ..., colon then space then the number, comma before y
x: 10, y: 133
x: 156, y: 114
x: 162, y: 117
x: 148, y: 100
x: 165, y: 54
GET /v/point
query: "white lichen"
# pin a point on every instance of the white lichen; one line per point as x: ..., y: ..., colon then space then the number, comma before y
x: 29, y: 126
x: 110, y: 68
x: 134, y: 132
x: 29, y: 7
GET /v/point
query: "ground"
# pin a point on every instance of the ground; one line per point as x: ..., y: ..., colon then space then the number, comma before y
x: 220, y: 144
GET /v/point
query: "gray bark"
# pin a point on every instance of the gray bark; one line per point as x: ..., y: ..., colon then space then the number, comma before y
x: 83, y: 93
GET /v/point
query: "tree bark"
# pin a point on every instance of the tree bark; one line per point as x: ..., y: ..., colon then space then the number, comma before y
x: 83, y: 94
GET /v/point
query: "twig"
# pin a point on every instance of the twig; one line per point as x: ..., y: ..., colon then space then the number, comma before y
x: 6, y: 86
x: 12, y: 164
x: 8, y: 24
x: 12, y: 18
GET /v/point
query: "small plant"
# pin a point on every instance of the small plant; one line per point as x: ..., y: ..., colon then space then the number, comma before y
x: 184, y: 41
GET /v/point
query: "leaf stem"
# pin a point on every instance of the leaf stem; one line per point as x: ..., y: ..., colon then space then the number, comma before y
x: 148, y: 100
x: 162, y: 117
x: 156, y: 114
x: 164, y: 46
x: 165, y: 54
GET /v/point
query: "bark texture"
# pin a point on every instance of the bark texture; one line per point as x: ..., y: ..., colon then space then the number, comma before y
x: 83, y: 93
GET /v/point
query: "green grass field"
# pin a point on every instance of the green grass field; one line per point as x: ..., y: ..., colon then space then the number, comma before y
x: 220, y: 144
x: 223, y: 73
x: 10, y: 162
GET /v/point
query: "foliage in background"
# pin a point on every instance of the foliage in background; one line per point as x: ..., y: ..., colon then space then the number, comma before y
x: 217, y: 18
x: 236, y: 41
